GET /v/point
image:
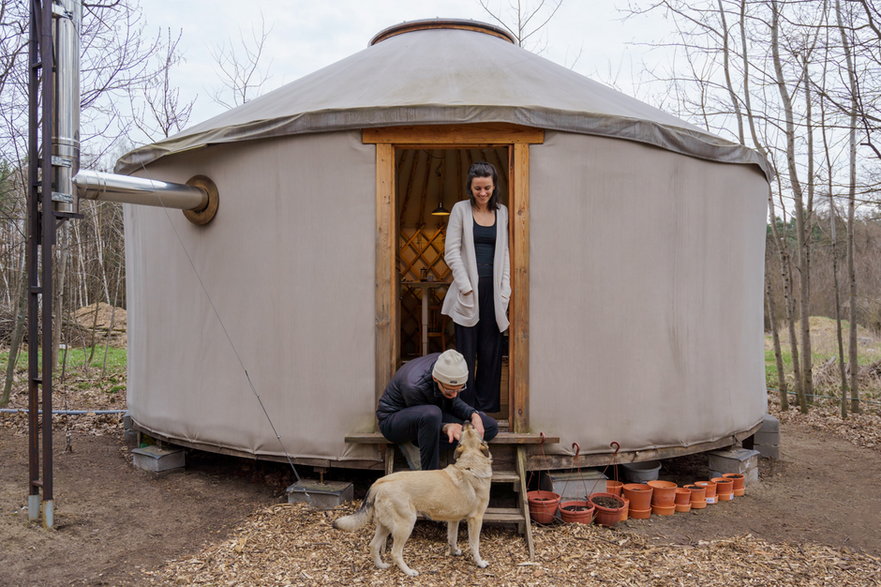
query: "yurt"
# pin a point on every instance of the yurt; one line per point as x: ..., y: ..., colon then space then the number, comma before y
x: 636, y: 241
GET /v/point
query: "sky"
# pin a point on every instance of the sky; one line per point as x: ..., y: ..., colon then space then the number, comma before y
x: 588, y: 36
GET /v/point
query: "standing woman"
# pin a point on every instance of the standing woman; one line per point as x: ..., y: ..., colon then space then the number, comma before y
x: 476, y: 250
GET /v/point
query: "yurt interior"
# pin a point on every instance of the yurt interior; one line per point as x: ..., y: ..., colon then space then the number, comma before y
x: 428, y: 182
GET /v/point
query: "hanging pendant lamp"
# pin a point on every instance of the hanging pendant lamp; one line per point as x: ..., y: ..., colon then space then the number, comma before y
x: 440, y: 210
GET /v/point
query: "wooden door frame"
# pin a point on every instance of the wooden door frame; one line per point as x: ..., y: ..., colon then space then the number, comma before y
x: 491, y: 135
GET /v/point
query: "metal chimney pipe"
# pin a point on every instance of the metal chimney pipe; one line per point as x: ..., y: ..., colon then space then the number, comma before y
x: 66, y: 24
x: 127, y: 189
x: 197, y: 198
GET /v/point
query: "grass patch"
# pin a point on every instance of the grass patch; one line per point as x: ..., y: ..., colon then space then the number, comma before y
x: 77, y: 358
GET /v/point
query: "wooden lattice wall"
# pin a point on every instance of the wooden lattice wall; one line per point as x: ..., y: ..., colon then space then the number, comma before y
x: 420, y: 257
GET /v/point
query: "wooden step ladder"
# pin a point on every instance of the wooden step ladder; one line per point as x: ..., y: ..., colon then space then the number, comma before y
x: 509, y: 451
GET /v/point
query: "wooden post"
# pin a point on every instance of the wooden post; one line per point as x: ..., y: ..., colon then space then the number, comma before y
x: 386, y: 284
x: 518, y: 335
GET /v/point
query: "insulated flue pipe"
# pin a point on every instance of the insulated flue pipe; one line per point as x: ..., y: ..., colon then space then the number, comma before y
x: 66, y: 26
x: 197, y: 198
x: 127, y: 189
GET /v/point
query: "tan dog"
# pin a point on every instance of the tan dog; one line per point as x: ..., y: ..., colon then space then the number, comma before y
x: 460, y: 491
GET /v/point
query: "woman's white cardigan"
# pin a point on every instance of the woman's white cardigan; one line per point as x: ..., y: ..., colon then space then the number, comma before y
x: 462, y: 260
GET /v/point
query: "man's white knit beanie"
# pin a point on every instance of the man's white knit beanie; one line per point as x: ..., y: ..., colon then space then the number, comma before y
x: 450, y: 368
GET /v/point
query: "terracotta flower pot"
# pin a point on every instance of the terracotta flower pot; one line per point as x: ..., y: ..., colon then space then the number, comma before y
x: 614, y: 487
x: 640, y: 514
x: 626, y: 510
x: 542, y: 505
x: 640, y: 495
x: 664, y: 510
x: 711, y: 490
x: 698, y: 496
x: 682, y: 496
x: 663, y: 492
x: 577, y: 512
x: 739, y: 483
x: 608, y: 508
x: 724, y: 488
x: 682, y: 507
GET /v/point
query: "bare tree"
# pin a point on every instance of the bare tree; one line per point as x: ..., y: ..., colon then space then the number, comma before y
x: 241, y: 68
x: 851, y: 210
x: 158, y: 109
x: 526, y: 18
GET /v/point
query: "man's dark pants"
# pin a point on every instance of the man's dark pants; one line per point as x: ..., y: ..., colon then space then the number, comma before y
x: 422, y: 425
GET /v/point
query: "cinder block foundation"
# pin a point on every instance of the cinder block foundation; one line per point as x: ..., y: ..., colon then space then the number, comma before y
x: 735, y: 460
x: 158, y: 460
x: 767, y: 439
x: 320, y: 495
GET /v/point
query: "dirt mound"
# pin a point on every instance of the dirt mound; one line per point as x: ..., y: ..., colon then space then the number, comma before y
x: 108, y: 324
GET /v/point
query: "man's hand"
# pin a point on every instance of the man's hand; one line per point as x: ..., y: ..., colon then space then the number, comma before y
x: 453, y: 432
x: 477, y: 422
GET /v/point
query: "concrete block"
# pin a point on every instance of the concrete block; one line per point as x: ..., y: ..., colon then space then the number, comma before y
x: 770, y: 424
x: 577, y: 484
x: 319, y: 495
x: 735, y: 460
x: 158, y: 460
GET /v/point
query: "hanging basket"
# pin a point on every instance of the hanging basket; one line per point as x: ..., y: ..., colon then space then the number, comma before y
x: 577, y: 512
x: 542, y: 505
x: 608, y: 508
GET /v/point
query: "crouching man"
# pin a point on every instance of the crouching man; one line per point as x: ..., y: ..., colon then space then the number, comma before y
x: 421, y: 405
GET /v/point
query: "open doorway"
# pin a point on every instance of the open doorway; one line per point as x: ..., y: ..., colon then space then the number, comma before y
x: 428, y: 182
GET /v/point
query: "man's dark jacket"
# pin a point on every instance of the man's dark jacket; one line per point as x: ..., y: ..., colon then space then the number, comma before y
x: 413, y: 385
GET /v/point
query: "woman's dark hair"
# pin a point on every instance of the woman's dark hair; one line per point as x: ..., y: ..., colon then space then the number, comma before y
x: 483, y: 169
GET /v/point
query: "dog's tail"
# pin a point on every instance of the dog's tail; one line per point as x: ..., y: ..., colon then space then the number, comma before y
x: 359, y: 518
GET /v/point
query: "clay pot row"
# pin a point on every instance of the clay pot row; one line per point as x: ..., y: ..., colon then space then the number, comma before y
x: 635, y: 500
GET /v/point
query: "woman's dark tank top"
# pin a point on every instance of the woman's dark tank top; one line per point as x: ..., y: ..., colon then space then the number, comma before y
x: 485, y: 248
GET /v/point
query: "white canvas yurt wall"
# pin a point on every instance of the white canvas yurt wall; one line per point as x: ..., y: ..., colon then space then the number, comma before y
x: 646, y: 295
x: 645, y: 259
x: 280, y: 285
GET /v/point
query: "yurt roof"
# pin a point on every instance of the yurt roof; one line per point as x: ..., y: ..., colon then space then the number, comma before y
x: 445, y: 71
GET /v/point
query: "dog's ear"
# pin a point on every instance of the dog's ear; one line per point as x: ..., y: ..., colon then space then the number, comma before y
x: 484, y: 448
x: 458, y: 452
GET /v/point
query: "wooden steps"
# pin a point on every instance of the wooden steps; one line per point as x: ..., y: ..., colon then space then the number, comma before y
x: 503, y: 515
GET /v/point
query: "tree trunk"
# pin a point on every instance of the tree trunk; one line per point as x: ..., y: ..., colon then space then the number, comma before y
x: 851, y: 216
x: 778, y: 354
x: 800, y: 213
x: 17, y: 336
x: 805, y: 248
x: 833, y: 237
